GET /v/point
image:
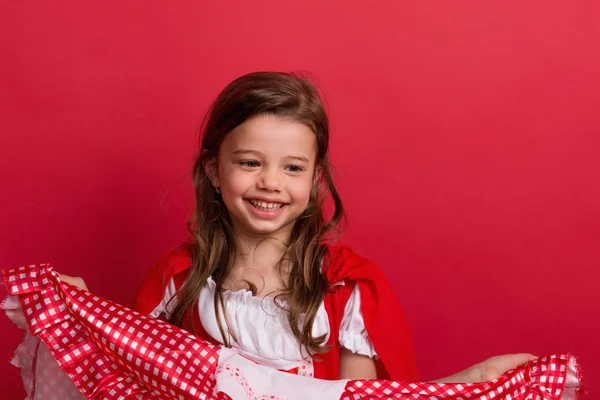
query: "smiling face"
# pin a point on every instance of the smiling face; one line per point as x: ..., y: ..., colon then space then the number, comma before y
x: 266, y: 170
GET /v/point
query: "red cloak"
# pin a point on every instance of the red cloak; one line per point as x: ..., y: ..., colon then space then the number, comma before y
x: 384, y: 320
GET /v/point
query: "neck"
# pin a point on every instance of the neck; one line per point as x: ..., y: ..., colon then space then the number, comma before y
x: 260, y: 252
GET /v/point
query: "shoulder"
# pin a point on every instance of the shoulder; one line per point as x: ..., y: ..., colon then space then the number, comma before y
x: 343, y: 263
x: 343, y: 254
x: 171, y: 264
x: 379, y: 308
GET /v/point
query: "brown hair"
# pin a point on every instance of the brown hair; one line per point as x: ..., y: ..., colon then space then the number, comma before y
x: 212, y: 245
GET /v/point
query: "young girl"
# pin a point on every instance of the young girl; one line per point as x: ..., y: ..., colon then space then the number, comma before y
x: 259, y: 274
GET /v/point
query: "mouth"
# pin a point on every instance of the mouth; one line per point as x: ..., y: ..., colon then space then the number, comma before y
x: 265, y: 206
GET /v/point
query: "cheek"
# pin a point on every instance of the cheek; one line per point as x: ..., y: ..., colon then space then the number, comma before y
x: 235, y: 182
x: 300, y: 191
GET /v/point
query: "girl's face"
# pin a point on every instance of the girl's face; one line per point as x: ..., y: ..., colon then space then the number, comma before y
x: 266, y: 169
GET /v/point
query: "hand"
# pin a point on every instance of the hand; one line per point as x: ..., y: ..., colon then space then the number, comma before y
x: 494, y: 367
x: 75, y: 281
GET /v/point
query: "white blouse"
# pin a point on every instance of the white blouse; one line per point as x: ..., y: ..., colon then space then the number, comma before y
x: 262, y: 328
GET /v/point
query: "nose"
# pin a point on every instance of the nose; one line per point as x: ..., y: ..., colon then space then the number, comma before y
x: 269, y: 180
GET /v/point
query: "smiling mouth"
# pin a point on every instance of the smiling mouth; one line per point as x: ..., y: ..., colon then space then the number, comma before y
x: 265, y: 206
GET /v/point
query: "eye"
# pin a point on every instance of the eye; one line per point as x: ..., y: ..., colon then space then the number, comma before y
x: 294, y: 168
x: 250, y: 164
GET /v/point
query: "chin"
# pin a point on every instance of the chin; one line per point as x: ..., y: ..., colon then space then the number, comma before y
x: 263, y: 230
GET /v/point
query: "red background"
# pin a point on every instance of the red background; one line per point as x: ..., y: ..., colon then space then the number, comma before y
x: 465, y: 136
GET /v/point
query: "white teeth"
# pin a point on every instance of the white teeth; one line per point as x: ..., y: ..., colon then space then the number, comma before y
x: 266, y: 206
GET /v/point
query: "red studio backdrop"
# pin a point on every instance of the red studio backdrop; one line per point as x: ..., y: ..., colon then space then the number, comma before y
x: 465, y: 137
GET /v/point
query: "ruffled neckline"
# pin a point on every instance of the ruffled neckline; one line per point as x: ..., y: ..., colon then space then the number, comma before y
x: 245, y: 296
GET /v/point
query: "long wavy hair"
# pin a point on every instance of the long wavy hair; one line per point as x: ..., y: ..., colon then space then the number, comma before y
x: 213, y: 245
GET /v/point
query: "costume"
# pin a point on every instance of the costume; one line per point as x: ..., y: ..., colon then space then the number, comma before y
x: 111, y: 352
x: 349, y: 276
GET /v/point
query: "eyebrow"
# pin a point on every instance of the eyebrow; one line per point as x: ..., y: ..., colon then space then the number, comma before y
x: 301, y: 158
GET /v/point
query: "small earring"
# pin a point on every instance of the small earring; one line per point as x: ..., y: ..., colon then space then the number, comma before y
x: 218, y: 190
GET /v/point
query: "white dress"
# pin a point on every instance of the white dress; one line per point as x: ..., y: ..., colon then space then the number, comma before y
x: 262, y: 328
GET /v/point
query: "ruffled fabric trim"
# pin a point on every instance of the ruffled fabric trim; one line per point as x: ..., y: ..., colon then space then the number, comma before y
x: 246, y: 297
x: 108, y: 351
x: 41, y: 375
x: 358, y: 344
x: 353, y: 333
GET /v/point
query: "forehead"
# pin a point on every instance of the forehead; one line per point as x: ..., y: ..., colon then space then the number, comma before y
x: 273, y: 136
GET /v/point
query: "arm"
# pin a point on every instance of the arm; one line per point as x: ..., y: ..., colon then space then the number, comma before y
x: 488, y: 370
x: 356, y: 366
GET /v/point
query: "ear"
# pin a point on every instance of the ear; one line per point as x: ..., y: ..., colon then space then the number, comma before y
x: 318, y: 174
x: 212, y: 171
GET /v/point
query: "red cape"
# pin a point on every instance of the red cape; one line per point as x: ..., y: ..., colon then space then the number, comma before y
x: 384, y: 320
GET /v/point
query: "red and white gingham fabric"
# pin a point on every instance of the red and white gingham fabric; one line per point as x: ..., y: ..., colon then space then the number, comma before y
x: 110, y: 352
x: 543, y: 378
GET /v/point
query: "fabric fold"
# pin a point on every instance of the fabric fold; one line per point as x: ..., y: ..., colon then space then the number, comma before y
x: 111, y: 352
x: 107, y: 350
